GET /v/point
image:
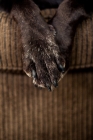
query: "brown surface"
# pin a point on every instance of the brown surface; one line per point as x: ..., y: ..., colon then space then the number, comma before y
x: 28, y: 113
x: 10, y: 50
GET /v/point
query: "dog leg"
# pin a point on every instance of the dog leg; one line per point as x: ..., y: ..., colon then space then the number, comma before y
x: 67, y: 17
x: 41, y: 56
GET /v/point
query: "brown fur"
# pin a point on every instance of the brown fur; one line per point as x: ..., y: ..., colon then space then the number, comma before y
x: 46, y: 55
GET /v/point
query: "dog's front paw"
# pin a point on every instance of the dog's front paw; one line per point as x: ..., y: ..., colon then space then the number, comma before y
x: 42, y: 60
x: 65, y: 21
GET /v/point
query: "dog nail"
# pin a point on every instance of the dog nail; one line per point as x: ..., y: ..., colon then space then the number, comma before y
x: 34, y: 75
x: 62, y: 68
x: 55, y: 83
x: 49, y: 87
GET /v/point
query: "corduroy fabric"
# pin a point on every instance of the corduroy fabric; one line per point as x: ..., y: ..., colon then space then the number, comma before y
x: 28, y: 113
x: 10, y: 44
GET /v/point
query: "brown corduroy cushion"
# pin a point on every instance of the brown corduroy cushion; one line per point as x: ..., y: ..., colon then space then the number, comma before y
x: 10, y: 43
x: 28, y: 113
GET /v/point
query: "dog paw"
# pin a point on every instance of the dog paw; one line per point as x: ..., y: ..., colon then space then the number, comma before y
x: 42, y: 60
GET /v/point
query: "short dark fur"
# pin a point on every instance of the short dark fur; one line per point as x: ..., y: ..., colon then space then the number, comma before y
x: 46, y: 55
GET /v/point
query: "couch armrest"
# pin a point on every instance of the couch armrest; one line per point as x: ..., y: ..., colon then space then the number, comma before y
x: 10, y: 43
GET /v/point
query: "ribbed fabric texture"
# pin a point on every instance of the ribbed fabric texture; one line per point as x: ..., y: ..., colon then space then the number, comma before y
x: 28, y: 113
x: 10, y: 44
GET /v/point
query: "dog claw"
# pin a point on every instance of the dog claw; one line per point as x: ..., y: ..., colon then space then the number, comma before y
x: 49, y: 87
x: 34, y: 75
x: 62, y: 68
x: 55, y: 83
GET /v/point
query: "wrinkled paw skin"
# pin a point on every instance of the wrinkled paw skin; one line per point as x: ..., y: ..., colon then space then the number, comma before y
x: 43, y: 61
